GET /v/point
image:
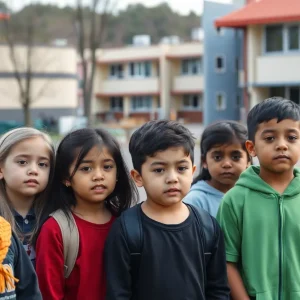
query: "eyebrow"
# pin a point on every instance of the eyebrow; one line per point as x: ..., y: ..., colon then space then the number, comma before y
x: 273, y: 130
x: 27, y: 156
x: 89, y: 161
x: 159, y: 163
x: 236, y: 151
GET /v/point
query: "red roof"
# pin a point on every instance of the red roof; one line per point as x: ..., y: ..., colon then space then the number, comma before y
x: 4, y: 16
x: 262, y: 12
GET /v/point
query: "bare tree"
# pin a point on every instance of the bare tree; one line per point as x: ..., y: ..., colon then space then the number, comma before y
x: 90, y: 25
x: 23, y: 67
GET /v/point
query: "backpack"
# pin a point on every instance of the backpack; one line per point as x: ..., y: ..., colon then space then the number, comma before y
x: 70, y: 236
x: 132, y: 225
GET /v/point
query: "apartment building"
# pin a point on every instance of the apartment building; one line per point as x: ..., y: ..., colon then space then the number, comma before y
x: 271, y: 48
x: 53, y: 85
x: 150, y: 81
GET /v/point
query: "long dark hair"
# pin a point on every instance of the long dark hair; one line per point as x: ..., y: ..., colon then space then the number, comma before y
x: 73, y: 148
x: 220, y: 133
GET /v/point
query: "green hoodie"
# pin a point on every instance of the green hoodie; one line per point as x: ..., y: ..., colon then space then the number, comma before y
x: 262, y: 234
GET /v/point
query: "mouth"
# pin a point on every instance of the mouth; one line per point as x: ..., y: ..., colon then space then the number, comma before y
x: 172, y: 191
x: 282, y: 156
x: 227, y: 174
x: 32, y: 182
x: 99, y: 187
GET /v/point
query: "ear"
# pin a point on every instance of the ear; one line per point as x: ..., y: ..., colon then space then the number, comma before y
x: 137, y: 177
x: 67, y: 183
x: 194, y: 169
x: 1, y: 174
x: 203, y: 162
x: 250, y: 148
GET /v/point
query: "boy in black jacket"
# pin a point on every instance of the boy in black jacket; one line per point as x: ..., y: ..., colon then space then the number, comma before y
x: 173, y: 264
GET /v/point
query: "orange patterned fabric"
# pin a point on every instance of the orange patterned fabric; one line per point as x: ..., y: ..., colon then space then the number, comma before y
x: 7, y: 279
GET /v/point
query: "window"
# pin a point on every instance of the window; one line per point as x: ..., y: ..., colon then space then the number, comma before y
x: 220, y: 31
x: 191, y: 66
x: 140, y: 69
x: 282, y: 38
x: 294, y: 94
x: 220, y: 64
x: 192, y: 102
x: 221, y: 101
x: 293, y: 37
x: 116, y: 103
x: 143, y: 103
x: 278, y: 91
x: 116, y: 71
x: 274, y: 38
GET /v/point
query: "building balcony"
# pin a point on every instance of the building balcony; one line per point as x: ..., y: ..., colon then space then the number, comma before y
x: 129, y: 87
x: 278, y: 69
x: 188, y: 84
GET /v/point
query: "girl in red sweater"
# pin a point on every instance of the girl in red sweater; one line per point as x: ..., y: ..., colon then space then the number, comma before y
x: 92, y: 184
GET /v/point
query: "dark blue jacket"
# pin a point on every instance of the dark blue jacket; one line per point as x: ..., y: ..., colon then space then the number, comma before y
x: 27, y: 287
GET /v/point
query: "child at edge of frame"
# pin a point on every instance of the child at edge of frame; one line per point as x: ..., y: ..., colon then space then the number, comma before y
x: 260, y: 215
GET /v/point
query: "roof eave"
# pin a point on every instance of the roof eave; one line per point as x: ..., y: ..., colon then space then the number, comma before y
x: 258, y: 21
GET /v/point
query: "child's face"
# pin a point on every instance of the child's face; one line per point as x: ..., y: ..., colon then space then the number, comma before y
x: 166, y: 177
x: 276, y: 145
x: 95, y: 178
x: 225, y: 163
x: 26, y: 169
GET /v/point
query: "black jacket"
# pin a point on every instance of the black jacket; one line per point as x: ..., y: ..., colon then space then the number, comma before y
x: 27, y: 287
x: 172, y: 264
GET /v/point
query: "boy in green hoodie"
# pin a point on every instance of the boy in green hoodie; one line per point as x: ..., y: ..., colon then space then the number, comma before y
x: 260, y: 216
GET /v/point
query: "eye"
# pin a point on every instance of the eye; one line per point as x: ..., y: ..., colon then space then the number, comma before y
x: 292, y: 138
x: 108, y: 167
x: 43, y: 165
x: 269, y: 138
x: 85, y: 169
x: 159, y: 170
x: 182, y: 169
x: 236, y: 157
x: 217, y: 157
x: 22, y: 162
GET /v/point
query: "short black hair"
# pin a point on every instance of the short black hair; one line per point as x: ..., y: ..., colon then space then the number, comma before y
x: 159, y: 135
x: 271, y: 108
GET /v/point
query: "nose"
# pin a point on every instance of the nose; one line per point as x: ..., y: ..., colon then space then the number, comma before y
x: 227, y: 163
x: 172, y: 177
x: 98, y: 175
x: 33, y: 169
x: 281, y: 145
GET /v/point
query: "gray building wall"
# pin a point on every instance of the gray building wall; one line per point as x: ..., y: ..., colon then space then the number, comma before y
x: 228, y: 44
x: 17, y: 114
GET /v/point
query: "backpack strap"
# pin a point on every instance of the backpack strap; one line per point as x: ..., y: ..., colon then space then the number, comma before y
x: 70, y: 236
x: 132, y: 225
x: 205, y: 222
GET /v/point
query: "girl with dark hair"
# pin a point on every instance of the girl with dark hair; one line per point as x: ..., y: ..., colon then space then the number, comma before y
x: 223, y: 158
x: 92, y: 186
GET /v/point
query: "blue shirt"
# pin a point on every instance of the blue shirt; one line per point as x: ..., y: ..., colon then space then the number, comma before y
x: 204, y: 196
x: 26, y: 225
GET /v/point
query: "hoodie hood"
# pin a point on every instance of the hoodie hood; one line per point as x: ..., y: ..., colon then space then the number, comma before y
x: 204, y: 187
x: 251, y: 180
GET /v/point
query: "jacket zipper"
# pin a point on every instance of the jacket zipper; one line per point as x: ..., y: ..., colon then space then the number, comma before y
x: 280, y: 248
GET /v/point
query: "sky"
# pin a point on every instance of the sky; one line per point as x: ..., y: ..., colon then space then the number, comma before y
x: 181, y: 6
